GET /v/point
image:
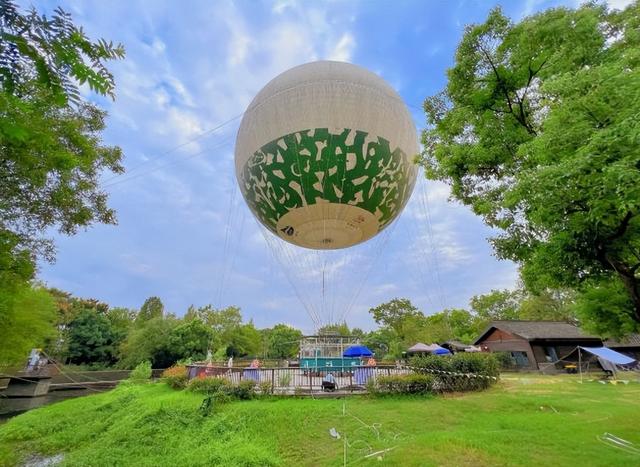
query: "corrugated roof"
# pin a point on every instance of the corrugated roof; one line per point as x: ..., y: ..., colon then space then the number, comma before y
x: 531, y: 330
x: 632, y: 340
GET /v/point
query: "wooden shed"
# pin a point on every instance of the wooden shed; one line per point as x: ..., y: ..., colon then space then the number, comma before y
x: 536, y: 345
x: 629, y: 345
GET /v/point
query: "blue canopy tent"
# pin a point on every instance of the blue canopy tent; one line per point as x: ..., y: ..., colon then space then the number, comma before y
x: 357, y: 351
x: 607, y: 357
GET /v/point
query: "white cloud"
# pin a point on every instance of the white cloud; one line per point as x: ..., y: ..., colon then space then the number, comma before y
x: 343, y: 50
x: 619, y: 4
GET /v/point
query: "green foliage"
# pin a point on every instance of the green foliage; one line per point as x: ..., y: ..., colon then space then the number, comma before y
x: 537, y: 131
x: 140, y: 374
x: 222, y: 389
x: 91, y: 338
x: 244, y: 390
x: 505, y: 360
x: 190, y: 340
x: 25, y: 324
x: 244, y: 340
x: 339, y: 329
x: 52, y: 155
x: 149, y: 341
x: 459, y: 372
x: 155, y: 425
x: 415, y: 384
x: 552, y: 305
x: 284, y: 379
x: 152, y: 308
x: 176, y: 376
x: 283, y: 341
x: 52, y: 52
x: 395, y: 314
x: 266, y: 389
x: 603, y: 309
x: 52, y: 159
x: 497, y: 305
x: 210, y: 386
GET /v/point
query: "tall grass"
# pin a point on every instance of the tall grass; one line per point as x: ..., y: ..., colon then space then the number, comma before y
x: 551, y: 421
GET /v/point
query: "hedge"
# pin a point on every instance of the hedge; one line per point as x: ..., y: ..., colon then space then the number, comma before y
x: 402, y: 384
x: 458, y: 372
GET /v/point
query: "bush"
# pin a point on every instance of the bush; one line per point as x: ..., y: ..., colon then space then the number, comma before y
x: 244, y: 390
x: 458, y: 372
x: 141, y: 373
x: 265, y: 388
x: 176, y: 376
x: 505, y: 360
x: 284, y: 379
x: 210, y: 386
x: 403, y: 384
x: 222, y: 388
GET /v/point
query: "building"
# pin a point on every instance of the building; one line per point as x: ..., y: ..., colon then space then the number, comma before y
x: 629, y: 346
x: 536, y: 345
x: 326, y: 352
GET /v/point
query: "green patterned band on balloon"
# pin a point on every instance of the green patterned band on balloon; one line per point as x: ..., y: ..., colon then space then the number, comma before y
x: 346, y: 167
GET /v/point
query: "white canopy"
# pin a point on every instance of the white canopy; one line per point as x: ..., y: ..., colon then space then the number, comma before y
x: 420, y: 347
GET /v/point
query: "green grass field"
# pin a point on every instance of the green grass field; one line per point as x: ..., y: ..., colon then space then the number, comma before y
x: 552, y: 421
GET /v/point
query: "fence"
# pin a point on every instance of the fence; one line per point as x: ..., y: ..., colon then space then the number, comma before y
x: 287, y: 380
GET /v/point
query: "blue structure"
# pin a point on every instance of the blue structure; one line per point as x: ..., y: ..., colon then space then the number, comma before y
x: 358, y: 351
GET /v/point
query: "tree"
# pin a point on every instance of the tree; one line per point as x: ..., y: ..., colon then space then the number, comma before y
x: 393, y: 313
x: 497, y: 305
x: 283, y: 341
x: 27, y: 324
x: 91, y: 339
x: 151, y: 308
x: 52, y: 156
x: 245, y: 340
x: 190, y: 339
x: 340, y: 329
x: 455, y: 324
x: 603, y: 310
x: 537, y: 131
x: 149, y: 341
x: 553, y: 305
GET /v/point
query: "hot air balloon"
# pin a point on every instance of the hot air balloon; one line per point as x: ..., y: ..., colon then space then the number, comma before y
x: 324, y: 155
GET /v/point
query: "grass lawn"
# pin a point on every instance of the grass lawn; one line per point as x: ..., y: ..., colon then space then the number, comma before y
x: 551, y: 421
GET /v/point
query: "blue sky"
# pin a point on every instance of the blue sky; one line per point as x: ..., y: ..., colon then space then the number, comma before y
x: 183, y: 228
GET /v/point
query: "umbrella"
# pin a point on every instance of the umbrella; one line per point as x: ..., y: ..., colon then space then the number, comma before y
x: 357, y: 351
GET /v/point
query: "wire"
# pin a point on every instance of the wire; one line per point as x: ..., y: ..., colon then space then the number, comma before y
x: 175, y: 148
x: 224, y: 143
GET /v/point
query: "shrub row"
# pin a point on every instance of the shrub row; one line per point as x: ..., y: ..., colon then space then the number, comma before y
x: 418, y: 384
x: 221, y: 388
x: 458, y: 372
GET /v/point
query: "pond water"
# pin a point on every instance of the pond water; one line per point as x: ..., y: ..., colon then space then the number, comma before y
x: 10, y: 407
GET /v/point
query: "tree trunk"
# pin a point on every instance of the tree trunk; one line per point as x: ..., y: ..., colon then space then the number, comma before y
x: 630, y: 281
x: 633, y: 289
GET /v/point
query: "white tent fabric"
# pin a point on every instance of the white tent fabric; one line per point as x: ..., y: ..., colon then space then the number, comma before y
x: 419, y: 347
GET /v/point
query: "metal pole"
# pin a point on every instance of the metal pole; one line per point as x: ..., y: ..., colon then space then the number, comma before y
x: 580, y: 363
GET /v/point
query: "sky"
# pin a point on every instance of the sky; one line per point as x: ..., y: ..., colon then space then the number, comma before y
x: 184, y: 233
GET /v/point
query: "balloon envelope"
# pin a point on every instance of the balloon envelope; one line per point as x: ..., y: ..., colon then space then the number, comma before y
x: 324, y: 155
